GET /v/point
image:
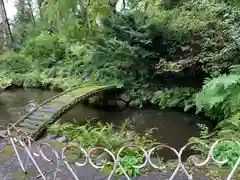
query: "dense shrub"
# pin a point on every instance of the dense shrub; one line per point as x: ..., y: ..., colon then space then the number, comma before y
x: 133, y: 46
x: 219, y: 99
x: 13, y: 62
x: 175, y: 97
x: 197, y: 34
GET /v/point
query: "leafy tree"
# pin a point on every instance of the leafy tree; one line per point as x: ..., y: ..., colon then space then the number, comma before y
x: 6, y: 26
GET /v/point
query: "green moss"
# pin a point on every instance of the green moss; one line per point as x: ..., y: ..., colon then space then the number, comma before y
x: 224, y: 172
x: 7, y: 153
x: 20, y: 175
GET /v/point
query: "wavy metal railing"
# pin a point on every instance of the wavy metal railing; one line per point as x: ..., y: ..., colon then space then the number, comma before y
x: 21, y: 138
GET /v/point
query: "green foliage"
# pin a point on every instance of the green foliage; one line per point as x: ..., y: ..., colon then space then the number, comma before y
x: 198, y: 33
x: 225, y: 150
x: 100, y: 135
x: 220, y: 96
x: 220, y: 100
x: 73, y: 42
x: 130, y: 47
x: 12, y: 62
x: 5, y: 82
x: 104, y: 135
x: 175, y: 97
x: 128, y: 163
x: 42, y: 46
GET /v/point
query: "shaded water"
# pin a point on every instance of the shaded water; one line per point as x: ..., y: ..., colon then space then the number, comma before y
x: 174, y: 128
x: 13, y: 103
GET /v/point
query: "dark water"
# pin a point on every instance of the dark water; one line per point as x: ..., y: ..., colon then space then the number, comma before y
x: 174, y: 128
x: 13, y: 103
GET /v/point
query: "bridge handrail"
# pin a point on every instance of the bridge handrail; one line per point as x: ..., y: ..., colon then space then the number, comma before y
x: 50, y: 99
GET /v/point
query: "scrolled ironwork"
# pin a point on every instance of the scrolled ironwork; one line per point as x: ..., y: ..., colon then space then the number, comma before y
x: 17, y: 137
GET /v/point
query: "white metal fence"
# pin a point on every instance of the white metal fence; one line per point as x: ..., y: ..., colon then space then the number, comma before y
x: 20, y: 138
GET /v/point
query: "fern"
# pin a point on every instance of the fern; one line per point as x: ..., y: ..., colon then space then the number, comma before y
x: 220, y: 100
x: 175, y: 97
x: 220, y: 97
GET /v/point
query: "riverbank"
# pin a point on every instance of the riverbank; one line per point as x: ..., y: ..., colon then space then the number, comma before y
x: 172, y: 97
x: 14, y: 102
x: 177, y: 97
x: 9, y: 164
x: 149, y: 120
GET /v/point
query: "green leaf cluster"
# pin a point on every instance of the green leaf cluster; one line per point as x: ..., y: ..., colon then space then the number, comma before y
x: 100, y: 135
x: 220, y: 100
x: 175, y: 97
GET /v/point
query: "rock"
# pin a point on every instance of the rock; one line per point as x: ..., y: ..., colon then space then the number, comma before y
x: 194, y: 159
x: 173, y: 162
x: 121, y: 104
x: 158, y: 92
x: 62, y: 139
x: 51, y: 136
x: 158, y: 162
x: 103, y: 156
x: 111, y: 103
x: 3, y: 134
x: 134, y: 103
x: 125, y: 97
x: 96, y: 100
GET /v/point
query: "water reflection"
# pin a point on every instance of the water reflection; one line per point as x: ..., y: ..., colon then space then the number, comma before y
x: 174, y: 128
x: 13, y: 103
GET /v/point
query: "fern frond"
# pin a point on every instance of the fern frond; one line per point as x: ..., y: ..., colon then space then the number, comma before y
x: 235, y: 69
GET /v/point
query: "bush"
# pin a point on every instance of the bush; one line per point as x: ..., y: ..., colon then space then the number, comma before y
x: 89, y: 136
x: 219, y: 99
x: 133, y: 46
x: 175, y: 97
x: 198, y: 34
x: 220, y: 96
x: 13, y: 62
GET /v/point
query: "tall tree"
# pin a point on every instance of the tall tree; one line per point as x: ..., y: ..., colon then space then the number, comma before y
x: 24, y: 20
x: 30, y: 9
x: 24, y: 12
x: 5, y: 22
x: 40, y: 4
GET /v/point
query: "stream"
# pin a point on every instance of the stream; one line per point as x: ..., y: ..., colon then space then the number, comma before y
x: 174, y: 128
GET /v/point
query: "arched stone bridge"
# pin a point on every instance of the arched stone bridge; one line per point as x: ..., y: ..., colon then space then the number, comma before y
x: 46, y: 113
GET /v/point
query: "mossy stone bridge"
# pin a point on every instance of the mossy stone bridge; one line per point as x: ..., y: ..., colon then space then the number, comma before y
x: 36, y: 121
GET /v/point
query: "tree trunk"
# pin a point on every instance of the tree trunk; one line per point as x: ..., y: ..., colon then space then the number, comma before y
x: 7, y: 30
x: 31, y: 11
x: 40, y: 4
x: 84, y: 12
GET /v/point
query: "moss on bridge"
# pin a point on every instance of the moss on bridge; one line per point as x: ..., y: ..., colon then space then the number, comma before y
x: 36, y: 121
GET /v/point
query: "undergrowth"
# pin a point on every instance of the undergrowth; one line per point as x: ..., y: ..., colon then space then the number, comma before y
x: 175, y: 97
x: 63, y: 46
x: 99, y: 135
x: 219, y: 99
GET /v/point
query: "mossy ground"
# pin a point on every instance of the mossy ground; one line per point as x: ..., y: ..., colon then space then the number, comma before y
x: 6, y: 153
